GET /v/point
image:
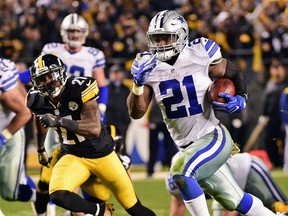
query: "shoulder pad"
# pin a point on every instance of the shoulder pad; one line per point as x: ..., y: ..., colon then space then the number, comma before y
x: 32, y: 100
x: 48, y: 48
x: 87, y: 86
x: 8, y: 75
x: 211, y: 48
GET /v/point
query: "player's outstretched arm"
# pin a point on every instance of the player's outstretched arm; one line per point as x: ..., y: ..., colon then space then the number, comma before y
x: 141, y: 94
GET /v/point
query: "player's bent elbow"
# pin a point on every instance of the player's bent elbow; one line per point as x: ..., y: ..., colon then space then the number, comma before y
x: 136, y: 115
x: 94, y: 131
x: 26, y: 114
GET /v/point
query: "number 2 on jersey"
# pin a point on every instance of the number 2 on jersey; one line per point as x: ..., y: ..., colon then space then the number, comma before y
x: 177, y: 97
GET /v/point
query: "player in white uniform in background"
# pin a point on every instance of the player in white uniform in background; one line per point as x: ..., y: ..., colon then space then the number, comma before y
x: 251, y: 174
x: 14, y: 184
x: 80, y: 61
x: 178, y: 73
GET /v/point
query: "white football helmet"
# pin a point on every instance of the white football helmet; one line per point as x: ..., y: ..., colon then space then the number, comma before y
x: 68, y: 26
x: 53, y: 67
x: 170, y: 27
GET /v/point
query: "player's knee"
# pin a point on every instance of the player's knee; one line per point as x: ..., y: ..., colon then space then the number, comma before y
x: 43, y: 186
x: 25, y: 193
x: 60, y: 197
x: 179, y: 180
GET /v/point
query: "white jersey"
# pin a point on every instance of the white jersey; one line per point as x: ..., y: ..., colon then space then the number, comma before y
x: 81, y: 63
x: 180, y: 90
x: 8, y: 81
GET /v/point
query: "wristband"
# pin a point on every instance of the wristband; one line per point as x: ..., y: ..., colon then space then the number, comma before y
x: 40, y: 140
x: 6, y: 133
x: 137, y: 90
x: 69, y: 124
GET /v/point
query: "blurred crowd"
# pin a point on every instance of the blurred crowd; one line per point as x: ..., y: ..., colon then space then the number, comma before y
x: 247, y: 30
x: 251, y: 33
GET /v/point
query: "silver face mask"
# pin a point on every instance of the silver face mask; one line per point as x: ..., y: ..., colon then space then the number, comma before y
x: 173, y: 28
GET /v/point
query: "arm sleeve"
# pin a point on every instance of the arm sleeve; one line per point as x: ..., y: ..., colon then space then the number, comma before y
x: 103, y: 95
x: 24, y: 76
x: 232, y: 72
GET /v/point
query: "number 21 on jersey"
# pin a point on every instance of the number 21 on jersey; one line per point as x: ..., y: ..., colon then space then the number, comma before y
x: 175, y: 86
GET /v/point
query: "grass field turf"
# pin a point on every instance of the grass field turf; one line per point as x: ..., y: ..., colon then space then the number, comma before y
x: 152, y: 193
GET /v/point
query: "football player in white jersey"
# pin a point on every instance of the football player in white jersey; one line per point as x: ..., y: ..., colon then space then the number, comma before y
x: 14, y: 184
x: 178, y: 73
x: 79, y: 60
x: 251, y: 174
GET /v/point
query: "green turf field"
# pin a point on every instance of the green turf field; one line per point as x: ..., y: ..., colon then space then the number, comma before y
x: 152, y: 193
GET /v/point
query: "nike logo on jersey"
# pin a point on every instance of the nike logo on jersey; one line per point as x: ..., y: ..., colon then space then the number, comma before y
x: 88, y: 84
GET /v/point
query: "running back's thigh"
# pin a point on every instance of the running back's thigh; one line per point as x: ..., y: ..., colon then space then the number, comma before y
x: 202, y: 158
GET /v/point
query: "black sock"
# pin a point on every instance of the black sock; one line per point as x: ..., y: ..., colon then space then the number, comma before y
x: 73, y: 202
x: 140, y: 210
x: 41, y: 202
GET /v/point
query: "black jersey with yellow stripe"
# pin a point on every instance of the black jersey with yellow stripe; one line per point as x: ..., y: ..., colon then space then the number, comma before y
x: 78, y: 90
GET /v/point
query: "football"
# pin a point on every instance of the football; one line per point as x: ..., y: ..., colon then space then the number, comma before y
x: 218, y: 86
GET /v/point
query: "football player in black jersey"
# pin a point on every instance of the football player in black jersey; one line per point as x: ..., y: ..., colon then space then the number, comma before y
x: 103, y: 193
x: 69, y: 106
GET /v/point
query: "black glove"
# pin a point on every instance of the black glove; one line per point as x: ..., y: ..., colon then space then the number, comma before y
x: 43, y: 157
x: 49, y: 120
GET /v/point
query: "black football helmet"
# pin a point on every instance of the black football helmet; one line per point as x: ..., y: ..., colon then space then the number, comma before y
x: 52, y: 67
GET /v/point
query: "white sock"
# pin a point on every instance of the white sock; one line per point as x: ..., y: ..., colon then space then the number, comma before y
x: 258, y: 209
x: 198, y: 206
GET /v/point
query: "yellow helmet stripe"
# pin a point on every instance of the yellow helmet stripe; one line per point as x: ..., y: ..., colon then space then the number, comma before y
x: 40, y: 62
x: 112, y: 131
